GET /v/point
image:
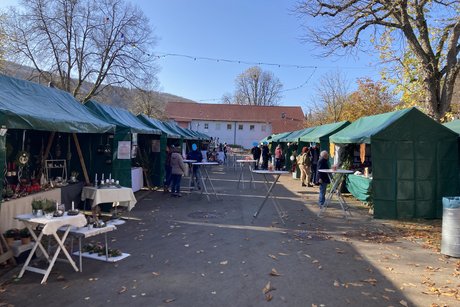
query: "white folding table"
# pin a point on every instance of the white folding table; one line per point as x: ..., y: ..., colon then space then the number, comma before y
x: 242, y: 163
x: 118, y: 196
x: 336, y: 176
x: 205, y: 177
x: 50, y: 228
x: 270, y: 194
x: 190, y: 173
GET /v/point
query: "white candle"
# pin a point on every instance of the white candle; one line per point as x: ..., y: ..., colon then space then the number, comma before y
x: 73, y: 208
x: 102, y: 177
x: 57, y: 206
x: 110, y: 176
x: 95, y: 179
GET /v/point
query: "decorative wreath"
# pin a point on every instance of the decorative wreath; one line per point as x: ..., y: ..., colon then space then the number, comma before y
x: 22, y: 158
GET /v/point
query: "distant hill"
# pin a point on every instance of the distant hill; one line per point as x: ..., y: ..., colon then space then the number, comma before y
x: 113, y: 95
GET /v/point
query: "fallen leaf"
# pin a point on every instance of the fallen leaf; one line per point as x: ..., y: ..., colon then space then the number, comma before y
x: 336, y: 283
x: 155, y: 274
x: 274, y: 272
x: 315, y: 261
x: 390, y: 290
x: 224, y: 262
x: 213, y: 292
x: 169, y: 300
x: 268, y: 287
x: 372, y: 281
x: 283, y: 254
x: 268, y: 297
x: 186, y: 245
x: 403, y: 302
x: 272, y: 256
x: 123, y: 289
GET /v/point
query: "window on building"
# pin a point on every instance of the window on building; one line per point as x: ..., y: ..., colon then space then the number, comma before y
x: 240, y: 127
x: 251, y: 127
x: 206, y: 126
x: 229, y: 126
x: 217, y: 126
x: 263, y: 128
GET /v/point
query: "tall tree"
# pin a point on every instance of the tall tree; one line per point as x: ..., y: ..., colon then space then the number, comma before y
x: 82, y: 46
x: 332, y: 93
x: 369, y: 99
x: 255, y: 87
x: 431, y: 29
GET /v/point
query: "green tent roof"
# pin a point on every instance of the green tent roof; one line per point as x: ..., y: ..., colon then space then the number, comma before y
x: 31, y: 106
x: 121, y: 118
x: 315, y: 134
x: 364, y: 128
x: 277, y: 137
x: 454, y: 125
x: 181, y: 131
x: 158, y: 124
x: 266, y: 139
x: 296, y: 135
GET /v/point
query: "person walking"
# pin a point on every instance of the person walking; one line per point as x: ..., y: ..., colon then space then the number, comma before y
x: 265, y: 156
x: 278, y: 157
x: 177, y: 171
x: 314, y: 157
x: 304, y: 162
x: 323, y: 178
x: 167, y: 178
x: 255, y: 151
x: 196, y: 155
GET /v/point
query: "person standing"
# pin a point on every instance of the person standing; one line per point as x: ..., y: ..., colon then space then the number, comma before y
x: 167, y: 178
x: 304, y: 162
x: 196, y: 155
x: 177, y: 171
x: 323, y: 178
x: 265, y: 156
x: 255, y: 151
x: 278, y: 157
x: 314, y: 156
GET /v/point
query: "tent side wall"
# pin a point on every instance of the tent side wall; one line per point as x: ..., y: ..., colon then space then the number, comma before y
x: 415, y: 164
x: 121, y: 168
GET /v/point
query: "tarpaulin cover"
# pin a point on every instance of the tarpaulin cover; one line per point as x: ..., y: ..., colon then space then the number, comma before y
x: 414, y: 162
x: 121, y: 118
x: 454, y: 125
x: 364, y: 128
x: 181, y: 131
x: 276, y: 137
x: 155, y: 123
x: 294, y: 136
x: 323, y: 131
x: 266, y: 139
x: 31, y: 106
x: 360, y: 187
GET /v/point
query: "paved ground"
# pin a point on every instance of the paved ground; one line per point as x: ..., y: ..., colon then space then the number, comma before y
x: 191, y: 252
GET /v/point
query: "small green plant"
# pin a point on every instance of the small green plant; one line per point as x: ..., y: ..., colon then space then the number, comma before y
x: 24, y: 233
x: 37, y: 204
x: 49, y: 205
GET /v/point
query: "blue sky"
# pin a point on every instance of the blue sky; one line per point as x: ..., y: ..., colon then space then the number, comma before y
x: 246, y: 30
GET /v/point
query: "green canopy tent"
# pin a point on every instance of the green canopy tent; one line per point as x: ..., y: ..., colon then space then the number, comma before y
x: 130, y: 131
x: 414, y: 162
x: 291, y: 143
x: 321, y: 134
x: 45, y: 113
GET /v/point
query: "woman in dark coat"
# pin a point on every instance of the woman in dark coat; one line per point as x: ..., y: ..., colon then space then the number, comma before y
x: 323, y: 178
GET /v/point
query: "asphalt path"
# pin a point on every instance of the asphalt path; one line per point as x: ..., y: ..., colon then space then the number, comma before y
x: 189, y: 251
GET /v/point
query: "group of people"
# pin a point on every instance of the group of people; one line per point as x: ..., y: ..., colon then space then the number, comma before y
x: 263, y: 152
x: 175, y: 169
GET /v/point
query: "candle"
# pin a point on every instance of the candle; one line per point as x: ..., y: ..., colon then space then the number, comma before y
x: 102, y: 177
x: 57, y: 206
x: 73, y: 207
x: 95, y: 179
x: 110, y: 176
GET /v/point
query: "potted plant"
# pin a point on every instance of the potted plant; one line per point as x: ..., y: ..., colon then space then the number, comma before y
x: 25, y: 236
x: 37, y: 207
x: 49, y: 206
x: 11, y: 235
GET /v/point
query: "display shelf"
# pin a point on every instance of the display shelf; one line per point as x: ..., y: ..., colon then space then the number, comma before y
x: 52, y: 167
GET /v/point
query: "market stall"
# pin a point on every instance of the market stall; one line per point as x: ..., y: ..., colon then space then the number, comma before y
x: 40, y: 144
x: 413, y: 162
x: 133, y: 142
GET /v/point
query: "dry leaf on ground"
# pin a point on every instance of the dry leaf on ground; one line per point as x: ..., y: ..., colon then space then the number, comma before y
x: 272, y: 256
x: 274, y: 272
x: 169, y: 300
x: 122, y: 289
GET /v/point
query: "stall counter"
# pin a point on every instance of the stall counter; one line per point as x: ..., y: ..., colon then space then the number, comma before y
x: 360, y: 187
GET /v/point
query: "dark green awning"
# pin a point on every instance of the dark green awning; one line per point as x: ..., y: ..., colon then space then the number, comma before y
x: 121, y: 118
x: 158, y: 124
x: 296, y: 135
x: 31, y: 106
x: 318, y: 132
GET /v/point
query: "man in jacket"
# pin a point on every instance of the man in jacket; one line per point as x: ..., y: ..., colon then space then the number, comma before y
x: 177, y: 170
x: 196, y: 155
x: 323, y: 178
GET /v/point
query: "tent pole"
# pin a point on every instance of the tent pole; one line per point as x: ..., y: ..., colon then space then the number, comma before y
x: 80, y: 155
x: 48, y: 147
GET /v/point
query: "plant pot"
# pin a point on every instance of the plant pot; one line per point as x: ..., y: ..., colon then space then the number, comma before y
x: 37, y: 212
x: 49, y: 215
x: 25, y: 241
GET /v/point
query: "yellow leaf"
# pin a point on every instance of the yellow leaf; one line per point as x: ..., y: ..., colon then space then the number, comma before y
x: 268, y: 297
x: 169, y: 300
x: 274, y: 272
x: 272, y: 256
x: 403, y: 302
